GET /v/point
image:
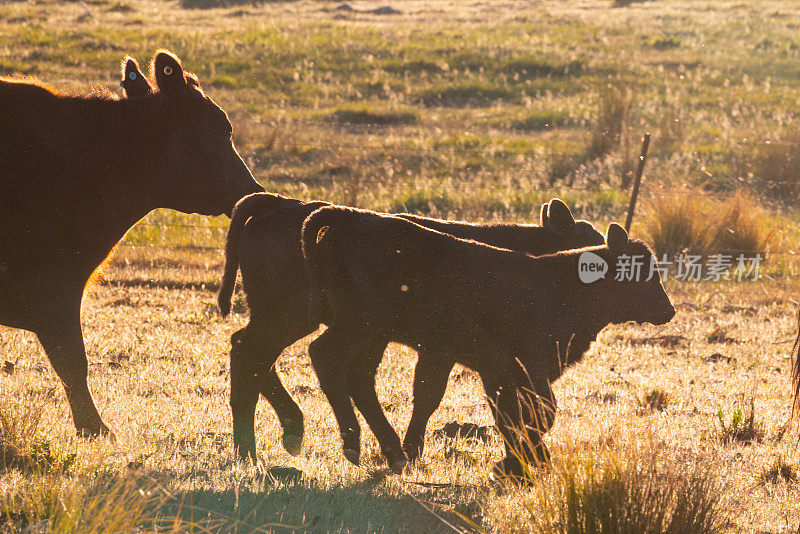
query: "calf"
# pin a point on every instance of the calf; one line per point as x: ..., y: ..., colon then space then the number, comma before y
x: 264, y: 240
x: 517, y: 320
x: 76, y: 172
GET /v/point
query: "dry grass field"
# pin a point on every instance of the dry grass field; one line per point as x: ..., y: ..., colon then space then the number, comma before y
x: 478, y: 110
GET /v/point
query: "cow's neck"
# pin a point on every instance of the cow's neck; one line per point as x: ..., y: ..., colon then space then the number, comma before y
x: 117, y: 181
x: 579, y: 309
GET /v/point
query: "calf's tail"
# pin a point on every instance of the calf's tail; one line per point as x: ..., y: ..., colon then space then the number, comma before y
x: 247, y: 207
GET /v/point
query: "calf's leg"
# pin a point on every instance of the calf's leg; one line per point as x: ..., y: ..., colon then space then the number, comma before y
x: 501, y: 391
x: 363, y: 361
x: 289, y: 413
x: 62, y: 341
x: 524, y: 414
x: 253, y: 354
x: 537, y: 415
x: 430, y: 383
x: 329, y: 357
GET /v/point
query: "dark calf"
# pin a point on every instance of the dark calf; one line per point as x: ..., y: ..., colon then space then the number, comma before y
x: 76, y: 172
x: 517, y: 320
x: 264, y: 239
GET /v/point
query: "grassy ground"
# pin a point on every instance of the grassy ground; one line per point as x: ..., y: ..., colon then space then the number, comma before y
x: 473, y: 110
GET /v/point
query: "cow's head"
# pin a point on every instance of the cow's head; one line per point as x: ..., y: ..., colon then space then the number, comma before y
x: 632, y: 286
x: 193, y: 157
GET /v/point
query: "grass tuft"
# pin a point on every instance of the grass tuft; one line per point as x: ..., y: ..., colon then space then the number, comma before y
x: 366, y: 115
x: 470, y: 94
x: 740, y: 227
x: 780, y: 471
x: 685, y: 221
x: 541, y: 120
x: 675, y: 223
x: 616, y: 100
x: 619, y: 488
x: 743, y: 427
x: 776, y: 168
x: 657, y: 400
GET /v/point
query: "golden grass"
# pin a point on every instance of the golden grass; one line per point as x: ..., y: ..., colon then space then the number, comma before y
x: 686, y: 220
x: 711, y: 77
x: 158, y: 369
x: 612, y: 487
x: 677, y: 222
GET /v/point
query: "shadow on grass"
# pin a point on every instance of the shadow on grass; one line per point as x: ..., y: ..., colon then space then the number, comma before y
x: 287, y: 501
x: 210, y: 4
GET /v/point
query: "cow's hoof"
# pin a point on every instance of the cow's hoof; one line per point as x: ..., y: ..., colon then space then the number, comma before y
x: 293, y: 444
x: 352, y: 455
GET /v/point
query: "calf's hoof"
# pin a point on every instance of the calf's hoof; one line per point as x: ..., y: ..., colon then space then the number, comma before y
x: 397, y: 461
x: 398, y: 466
x: 95, y: 431
x: 413, y: 452
x: 293, y: 435
x: 352, y: 455
x: 293, y: 444
x: 246, y: 452
x: 511, y: 470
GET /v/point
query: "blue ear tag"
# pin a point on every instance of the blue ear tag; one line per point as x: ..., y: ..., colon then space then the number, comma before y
x: 122, y: 84
x: 132, y: 75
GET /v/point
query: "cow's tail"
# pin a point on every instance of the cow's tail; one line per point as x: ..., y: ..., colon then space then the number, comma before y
x: 796, y: 370
x: 246, y: 208
x: 317, y: 240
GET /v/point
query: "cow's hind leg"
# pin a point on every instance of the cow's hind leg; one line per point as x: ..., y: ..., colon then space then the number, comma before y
x: 364, y: 357
x: 329, y: 356
x: 430, y: 383
x: 62, y: 341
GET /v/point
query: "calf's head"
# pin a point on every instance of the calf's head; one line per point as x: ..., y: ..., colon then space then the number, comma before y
x: 196, y: 165
x: 566, y: 232
x: 632, y: 289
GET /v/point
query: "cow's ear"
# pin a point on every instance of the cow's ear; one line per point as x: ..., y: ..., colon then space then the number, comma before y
x: 168, y: 72
x: 616, y: 238
x: 560, y: 217
x: 543, y: 221
x: 133, y: 81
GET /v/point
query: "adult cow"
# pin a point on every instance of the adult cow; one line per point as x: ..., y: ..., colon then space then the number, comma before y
x: 76, y: 172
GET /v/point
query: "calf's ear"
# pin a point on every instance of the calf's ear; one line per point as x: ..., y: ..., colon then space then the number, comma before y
x: 168, y: 72
x: 616, y: 237
x: 543, y: 221
x: 560, y: 218
x: 321, y: 233
x: 133, y: 81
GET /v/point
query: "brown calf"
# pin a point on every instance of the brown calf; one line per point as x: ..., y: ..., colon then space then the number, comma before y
x: 76, y: 172
x: 517, y: 320
x: 264, y: 239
